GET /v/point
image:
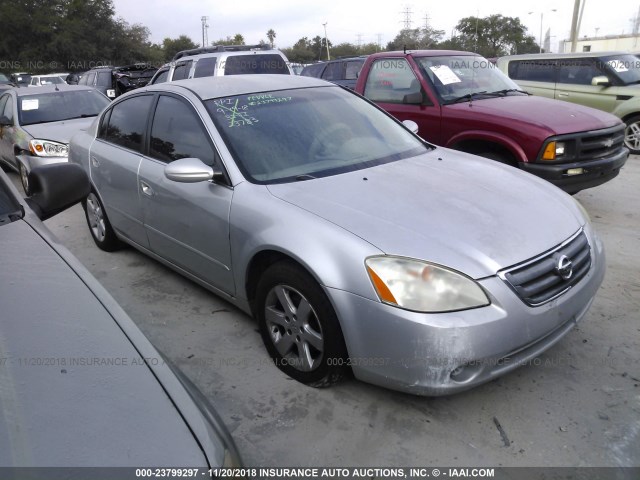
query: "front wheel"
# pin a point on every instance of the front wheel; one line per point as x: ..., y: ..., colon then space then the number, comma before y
x: 299, y: 326
x: 632, y: 134
x: 24, y: 178
x: 99, y: 226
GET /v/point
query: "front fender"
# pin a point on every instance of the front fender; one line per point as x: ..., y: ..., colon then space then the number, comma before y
x: 488, y: 137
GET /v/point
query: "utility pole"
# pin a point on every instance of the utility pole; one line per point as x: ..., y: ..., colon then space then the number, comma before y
x: 205, y: 27
x: 574, y: 26
x: 379, y: 41
x: 407, y: 17
x: 326, y: 42
x: 359, y: 35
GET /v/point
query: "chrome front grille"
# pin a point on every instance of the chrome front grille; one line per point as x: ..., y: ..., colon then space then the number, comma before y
x: 548, y: 276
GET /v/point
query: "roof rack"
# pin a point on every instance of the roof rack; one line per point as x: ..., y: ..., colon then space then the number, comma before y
x: 221, y: 48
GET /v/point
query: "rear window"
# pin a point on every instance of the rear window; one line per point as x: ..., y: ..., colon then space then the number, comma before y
x: 256, y: 64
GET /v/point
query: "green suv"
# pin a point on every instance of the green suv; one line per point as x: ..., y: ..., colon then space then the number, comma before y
x: 609, y: 81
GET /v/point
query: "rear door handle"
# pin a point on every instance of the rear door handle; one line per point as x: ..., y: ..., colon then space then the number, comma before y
x: 146, y: 189
x: 94, y: 162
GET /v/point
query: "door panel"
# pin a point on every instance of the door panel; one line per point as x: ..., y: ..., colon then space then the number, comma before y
x: 188, y: 224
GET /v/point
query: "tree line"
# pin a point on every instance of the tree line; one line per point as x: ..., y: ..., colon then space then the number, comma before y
x: 76, y: 35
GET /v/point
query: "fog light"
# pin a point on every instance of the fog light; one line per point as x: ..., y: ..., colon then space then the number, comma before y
x: 575, y: 171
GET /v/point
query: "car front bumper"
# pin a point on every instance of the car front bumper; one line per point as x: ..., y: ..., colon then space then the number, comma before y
x: 418, y: 352
x: 595, y: 172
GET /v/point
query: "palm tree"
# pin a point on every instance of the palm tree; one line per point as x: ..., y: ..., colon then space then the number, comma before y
x: 271, y: 35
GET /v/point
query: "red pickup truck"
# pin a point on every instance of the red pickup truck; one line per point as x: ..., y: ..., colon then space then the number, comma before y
x: 462, y: 101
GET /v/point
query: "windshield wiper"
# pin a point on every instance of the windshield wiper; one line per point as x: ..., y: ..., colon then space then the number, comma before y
x: 84, y: 115
x: 468, y: 97
x: 508, y: 90
x: 301, y: 178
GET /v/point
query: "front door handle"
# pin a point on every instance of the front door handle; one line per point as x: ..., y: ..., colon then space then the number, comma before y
x: 563, y: 94
x: 146, y: 189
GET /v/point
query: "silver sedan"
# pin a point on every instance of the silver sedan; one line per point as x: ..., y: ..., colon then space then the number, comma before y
x: 356, y: 245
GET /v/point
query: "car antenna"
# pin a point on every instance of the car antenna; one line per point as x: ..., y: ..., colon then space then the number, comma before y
x: 404, y: 48
x: 473, y: 71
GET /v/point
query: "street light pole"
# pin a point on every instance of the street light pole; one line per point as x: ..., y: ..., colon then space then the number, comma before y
x: 541, y: 21
x: 326, y: 42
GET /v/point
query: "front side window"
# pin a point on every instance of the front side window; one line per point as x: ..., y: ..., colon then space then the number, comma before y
x: 290, y: 135
x: 313, y: 70
x: 6, y: 108
x: 90, y: 78
x: 353, y: 69
x: 162, y: 77
x: 62, y: 105
x: 625, y: 68
x: 128, y: 121
x: 577, y: 71
x: 177, y: 132
x: 390, y: 80
x: 104, y: 79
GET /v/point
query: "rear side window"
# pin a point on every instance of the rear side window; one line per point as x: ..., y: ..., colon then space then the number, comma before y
x: 205, y: 67
x: 390, y: 80
x: 313, y: 70
x: 182, y: 70
x: 127, y: 122
x: 533, y: 70
x: 177, y: 132
x: 333, y: 71
x: 265, y: 63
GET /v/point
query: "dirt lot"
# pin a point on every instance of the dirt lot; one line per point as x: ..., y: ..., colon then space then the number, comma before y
x: 579, y: 407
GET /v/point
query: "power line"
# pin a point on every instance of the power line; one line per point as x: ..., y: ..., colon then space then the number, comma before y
x: 407, y: 17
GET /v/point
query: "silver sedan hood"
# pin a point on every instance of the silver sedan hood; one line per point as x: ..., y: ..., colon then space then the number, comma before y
x: 58, y: 131
x: 468, y: 213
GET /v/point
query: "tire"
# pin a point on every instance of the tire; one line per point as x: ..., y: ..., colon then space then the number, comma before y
x: 24, y: 178
x: 307, y: 346
x: 99, y: 226
x: 632, y: 134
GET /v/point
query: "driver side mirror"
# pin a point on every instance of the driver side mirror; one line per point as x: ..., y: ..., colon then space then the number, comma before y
x: 192, y: 170
x: 601, y: 81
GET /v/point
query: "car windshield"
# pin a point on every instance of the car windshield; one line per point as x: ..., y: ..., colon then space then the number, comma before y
x: 625, y: 67
x: 300, y: 134
x: 51, y: 80
x: 9, y: 208
x: 62, y: 105
x: 465, y: 77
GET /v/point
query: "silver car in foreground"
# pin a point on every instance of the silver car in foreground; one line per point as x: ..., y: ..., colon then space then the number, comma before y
x: 355, y: 244
x: 80, y: 385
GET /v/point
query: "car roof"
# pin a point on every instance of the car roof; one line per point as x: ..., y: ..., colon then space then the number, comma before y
x: 215, y: 87
x: 535, y: 56
x: 63, y: 87
x: 423, y: 53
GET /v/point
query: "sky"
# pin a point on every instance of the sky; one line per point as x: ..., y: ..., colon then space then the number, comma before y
x: 367, y: 21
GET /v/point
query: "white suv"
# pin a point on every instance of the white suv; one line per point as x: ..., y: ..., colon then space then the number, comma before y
x: 223, y: 60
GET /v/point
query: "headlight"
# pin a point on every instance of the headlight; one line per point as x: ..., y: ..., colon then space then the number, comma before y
x: 422, y: 286
x: 47, y: 148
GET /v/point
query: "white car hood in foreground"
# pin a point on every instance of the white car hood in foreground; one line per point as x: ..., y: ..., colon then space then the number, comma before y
x: 451, y: 208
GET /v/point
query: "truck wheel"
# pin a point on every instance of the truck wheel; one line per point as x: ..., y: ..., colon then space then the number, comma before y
x: 632, y: 134
x: 299, y: 326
